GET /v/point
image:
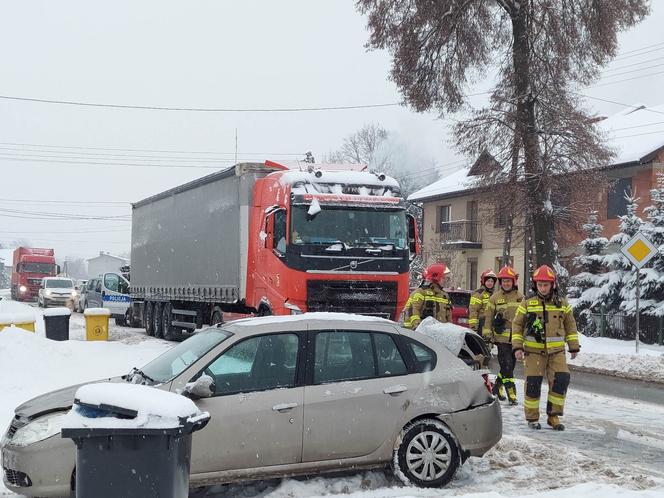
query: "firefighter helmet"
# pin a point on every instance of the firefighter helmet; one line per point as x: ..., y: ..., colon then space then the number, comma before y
x: 508, y: 272
x: 544, y: 274
x: 436, y: 272
x: 486, y: 274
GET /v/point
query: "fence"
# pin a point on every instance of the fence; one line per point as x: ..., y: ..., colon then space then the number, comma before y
x: 623, y: 327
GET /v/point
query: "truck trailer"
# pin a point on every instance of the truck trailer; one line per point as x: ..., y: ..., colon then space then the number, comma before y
x: 263, y: 238
x: 29, y: 266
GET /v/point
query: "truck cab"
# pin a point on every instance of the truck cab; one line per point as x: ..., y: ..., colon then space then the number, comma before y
x: 30, y: 266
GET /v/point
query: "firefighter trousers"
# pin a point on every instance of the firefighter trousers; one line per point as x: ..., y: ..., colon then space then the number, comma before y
x: 554, y: 366
x: 506, y: 361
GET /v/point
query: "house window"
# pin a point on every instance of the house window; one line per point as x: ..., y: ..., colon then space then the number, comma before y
x: 443, y: 214
x: 616, y: 204
x: 500, y: 216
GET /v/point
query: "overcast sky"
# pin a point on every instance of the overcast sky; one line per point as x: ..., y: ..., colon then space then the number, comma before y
x: 207, y: 54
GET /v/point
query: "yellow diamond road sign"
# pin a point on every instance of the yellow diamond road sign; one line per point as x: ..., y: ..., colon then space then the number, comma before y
x: 639, y: 250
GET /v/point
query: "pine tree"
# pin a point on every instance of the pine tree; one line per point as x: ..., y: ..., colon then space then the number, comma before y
x: 585, y: 285
x: 652, y: 277
x: 613, y: 283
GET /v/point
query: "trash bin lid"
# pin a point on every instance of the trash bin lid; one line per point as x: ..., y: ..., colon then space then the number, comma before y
x: 59, y: 311
x: 97, y: 312
x: 108, y: 405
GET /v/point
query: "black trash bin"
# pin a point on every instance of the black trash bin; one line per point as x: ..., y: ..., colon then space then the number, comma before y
x: 56, y: 323
x: 122, y: 451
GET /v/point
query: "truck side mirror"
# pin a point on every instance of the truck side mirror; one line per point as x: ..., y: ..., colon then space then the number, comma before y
x: 413, y: 236
x: 57, y: 269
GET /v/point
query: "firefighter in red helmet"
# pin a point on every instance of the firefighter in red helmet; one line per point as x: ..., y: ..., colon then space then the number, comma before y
x: 499, y: 314
x: 480, y: 298
x: 543, y: 324
x: 429, y: 299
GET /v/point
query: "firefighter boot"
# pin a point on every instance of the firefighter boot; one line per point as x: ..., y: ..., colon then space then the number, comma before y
x: 554, y: 422
x: 535, y: 425
x: 511, y: 394
x: 499, y: 389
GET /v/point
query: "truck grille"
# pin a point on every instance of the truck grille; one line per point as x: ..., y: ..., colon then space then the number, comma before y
x: 362, y: 298
x: 16, y: 478
x: 34, y: 281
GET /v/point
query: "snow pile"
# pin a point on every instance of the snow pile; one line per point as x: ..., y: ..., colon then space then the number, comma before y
x: 32, y: 365
x: 13, y: 312
x: 59, y: 311
x: 155, y: 409
x: 448, y: 334
x: 97, y: 312
x: 619, y: 358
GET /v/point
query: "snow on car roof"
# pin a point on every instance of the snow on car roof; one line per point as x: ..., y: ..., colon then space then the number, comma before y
x: 318, y: 315
x: 629, y: 132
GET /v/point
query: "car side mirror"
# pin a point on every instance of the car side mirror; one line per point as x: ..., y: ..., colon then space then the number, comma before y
x: 203, y: 387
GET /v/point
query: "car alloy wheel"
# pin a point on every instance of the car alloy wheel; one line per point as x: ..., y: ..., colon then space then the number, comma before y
x: 428, y: 455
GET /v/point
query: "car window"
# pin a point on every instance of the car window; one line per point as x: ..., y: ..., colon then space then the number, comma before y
x: 460, y: 299
x: 111, y: 281
x: 390, y: 361
x: 97, y: 285
x: 58, y: 284
x: 424, y: 358
x: 256, y: 364
x: 90, y: 285
x: 343, y: 355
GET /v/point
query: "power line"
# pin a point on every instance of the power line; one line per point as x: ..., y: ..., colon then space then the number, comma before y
x: 636, y: 108
x: 642, y: 48
x: 200, y: 109
x: 166, y: 151
x: 627, y: 79
x: 60, y: 201
x: 633, y: 71
x: 660, y: 132
x: 97, y: 163
x: 637, y: 55
x: 632, y: 65
x: 118, y: 157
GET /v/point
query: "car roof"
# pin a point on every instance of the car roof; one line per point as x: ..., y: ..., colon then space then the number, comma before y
x: 311, y: 321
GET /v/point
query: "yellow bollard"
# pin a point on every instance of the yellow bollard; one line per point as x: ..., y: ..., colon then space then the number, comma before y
x: 23, y: 320
x: 96, y: 324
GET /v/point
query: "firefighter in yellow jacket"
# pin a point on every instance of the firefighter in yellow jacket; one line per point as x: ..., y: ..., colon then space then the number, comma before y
x: 542, y: 326
x: 500, y: 312
x: 479, y: 299
x: 429, y: 299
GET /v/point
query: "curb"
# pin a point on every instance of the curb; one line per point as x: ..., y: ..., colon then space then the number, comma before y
x: 613, y: 373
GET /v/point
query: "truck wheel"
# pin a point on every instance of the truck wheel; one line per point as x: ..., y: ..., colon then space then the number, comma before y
x: 166, y: 322
x: 149, y: 324
x: 217, y: 317
x: 157, y: 322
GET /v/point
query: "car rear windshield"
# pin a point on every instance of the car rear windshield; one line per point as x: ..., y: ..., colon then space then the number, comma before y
x: 58, y: 284
x: 460, y: 299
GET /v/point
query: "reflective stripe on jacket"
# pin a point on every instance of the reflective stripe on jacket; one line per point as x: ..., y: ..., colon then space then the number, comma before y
x: 478, y: 302
x: 505, y: 303
x: 557, y: 322
x: 427, y: 301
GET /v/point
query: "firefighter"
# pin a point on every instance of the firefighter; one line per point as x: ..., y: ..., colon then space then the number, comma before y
x: 500, y: 312
x: 429, y: 299
x: 541, y: 327
x: 480, y: 298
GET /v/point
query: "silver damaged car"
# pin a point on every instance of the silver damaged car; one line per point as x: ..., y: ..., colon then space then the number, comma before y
x: 297, y: 395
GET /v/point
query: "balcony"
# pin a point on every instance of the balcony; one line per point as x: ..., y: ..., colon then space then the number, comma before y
x: 461, y: 234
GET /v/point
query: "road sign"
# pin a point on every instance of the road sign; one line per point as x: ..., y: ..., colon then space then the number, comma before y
x: 639, y: 250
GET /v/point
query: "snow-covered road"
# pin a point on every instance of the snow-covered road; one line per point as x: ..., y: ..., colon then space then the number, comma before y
x: 613, y: 446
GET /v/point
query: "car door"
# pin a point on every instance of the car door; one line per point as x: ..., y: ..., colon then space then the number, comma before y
x: 94, y: 294
x: 115, y: 293
x: 356, y: 394
x: 257, y: 410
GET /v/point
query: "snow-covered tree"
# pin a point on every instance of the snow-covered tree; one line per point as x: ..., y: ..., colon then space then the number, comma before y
x: 652, y: 277
x: 585, y: 285
x: 615, y: 282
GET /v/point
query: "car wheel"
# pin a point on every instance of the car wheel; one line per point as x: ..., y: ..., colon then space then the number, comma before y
x: 428, y: 455
x: 166, y: 325
x: 156, y: 320
x: 148, y: 318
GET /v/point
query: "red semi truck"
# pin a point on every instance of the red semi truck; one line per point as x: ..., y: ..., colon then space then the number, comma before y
x: 30, y: 265
x: 266, y: 239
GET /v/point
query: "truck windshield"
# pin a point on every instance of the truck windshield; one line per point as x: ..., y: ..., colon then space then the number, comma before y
x: 37, y: 267
x: 173, y: 362
x: 58, y: 284
x: 352, y: 227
